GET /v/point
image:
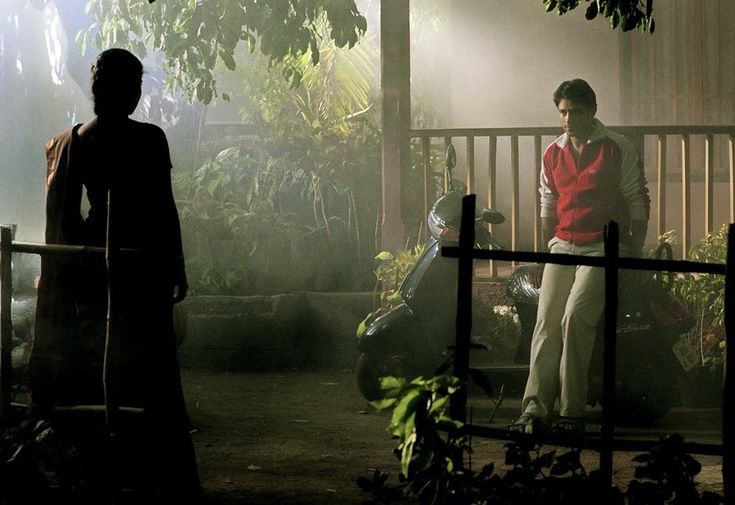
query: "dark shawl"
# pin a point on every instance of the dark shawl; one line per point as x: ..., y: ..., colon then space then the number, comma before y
x: 56, y: 312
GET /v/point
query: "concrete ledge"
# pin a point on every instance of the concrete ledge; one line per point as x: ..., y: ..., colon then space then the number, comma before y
x: 298, y: 330
x: 271, y: 332
x: 240, y: 333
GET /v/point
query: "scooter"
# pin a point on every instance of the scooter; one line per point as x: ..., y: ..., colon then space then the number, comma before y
x: 649, y: 359
x: 409, y: 339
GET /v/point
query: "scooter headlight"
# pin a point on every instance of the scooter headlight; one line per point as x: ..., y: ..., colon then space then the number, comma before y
x: 436, y: 225
x: 440, y: 230
x: 445, y: 217
x: 449, y: 235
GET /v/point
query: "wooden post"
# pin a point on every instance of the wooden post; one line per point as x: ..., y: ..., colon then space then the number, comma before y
x: 492, y: 191
x: 6, y: 321
x: 608, y: 384
x: 396, y: 105
x: 429, y: 188
x: 458, y: 404
x: 709, y: 179
x: 686, y: 192
x: 538, y: 233
x: 731, y: 174
x: 470, y: 164
x: 515, y: 211
x: 661, y: 193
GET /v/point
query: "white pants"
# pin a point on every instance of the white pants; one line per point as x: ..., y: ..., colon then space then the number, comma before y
x: 571, y: 302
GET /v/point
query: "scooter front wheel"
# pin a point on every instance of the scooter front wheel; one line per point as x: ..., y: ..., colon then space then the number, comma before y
x: 372, y: 367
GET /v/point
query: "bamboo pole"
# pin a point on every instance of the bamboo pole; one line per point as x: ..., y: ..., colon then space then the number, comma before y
x: 107, y: 366
x: 6, y: 321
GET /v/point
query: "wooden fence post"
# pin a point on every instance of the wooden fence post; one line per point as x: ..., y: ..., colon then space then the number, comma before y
x: 728, y: 444
x: 458, y: 404
x: 608, y: 384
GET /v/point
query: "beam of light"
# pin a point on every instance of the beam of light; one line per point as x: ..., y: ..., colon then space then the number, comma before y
x: 54, y: 47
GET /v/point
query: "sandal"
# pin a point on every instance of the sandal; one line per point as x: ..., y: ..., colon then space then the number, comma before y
x: 570, y: 427
x: 527, y: 424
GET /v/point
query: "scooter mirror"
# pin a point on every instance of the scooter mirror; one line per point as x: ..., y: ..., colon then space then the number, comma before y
x: 451, y: 157
x: 492, y: 216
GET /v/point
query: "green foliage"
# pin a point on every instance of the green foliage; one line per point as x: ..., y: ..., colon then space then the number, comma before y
x: 39, y: 466
x: 624, y: 14
x: 196, y: 36
x: 429, y: 444
x: 391, y: 271
x: 389, y: 274
x: 704, y: 294
x: 434, y: 467
x: 331, y: 98
x: 257, y: 220
x: 298, y: 199
x: 666, y: 475
x: 707, y: 291
x: 233, y: 200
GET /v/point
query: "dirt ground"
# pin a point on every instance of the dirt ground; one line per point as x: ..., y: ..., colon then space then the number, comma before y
x: 304, y: 437
x: 284, y: 438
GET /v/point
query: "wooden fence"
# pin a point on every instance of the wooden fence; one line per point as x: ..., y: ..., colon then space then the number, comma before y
x: 503, y: 165
x: 467, y: 254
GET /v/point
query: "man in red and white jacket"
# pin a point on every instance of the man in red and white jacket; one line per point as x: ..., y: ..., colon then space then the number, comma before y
x: 590, y: 176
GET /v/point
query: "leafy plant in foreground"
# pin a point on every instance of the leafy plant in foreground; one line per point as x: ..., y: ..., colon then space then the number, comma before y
x: 39, y: 466
x: 434, y: 454
x: 430, y: 445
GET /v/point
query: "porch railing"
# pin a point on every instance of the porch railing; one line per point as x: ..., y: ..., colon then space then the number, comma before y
x: 502, y: 166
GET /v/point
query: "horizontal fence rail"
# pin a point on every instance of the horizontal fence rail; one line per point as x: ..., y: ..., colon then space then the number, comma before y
x: 8, y: 247
x: 504, y: 164
x: 607, y: 444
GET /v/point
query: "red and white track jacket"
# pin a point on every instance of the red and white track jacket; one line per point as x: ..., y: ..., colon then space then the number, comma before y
x: 609, y: 184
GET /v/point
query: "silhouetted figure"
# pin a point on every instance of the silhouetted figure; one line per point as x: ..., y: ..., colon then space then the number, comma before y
x: 123, y: 166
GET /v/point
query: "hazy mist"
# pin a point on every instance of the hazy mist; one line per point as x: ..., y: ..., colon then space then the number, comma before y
x: 484, y: 63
